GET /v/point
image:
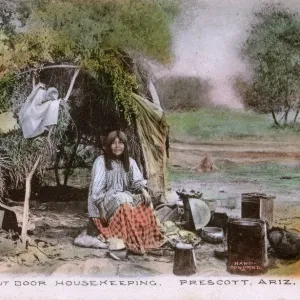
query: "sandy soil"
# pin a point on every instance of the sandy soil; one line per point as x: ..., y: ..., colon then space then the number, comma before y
x: 188, y: 156
x: 58, y: 223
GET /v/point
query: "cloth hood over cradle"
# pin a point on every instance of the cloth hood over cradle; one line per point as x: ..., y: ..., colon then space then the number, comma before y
x: 39, y: 111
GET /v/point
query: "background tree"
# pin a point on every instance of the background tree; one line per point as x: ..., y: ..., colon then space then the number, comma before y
x: 184, y: 92
x: 273, y: 50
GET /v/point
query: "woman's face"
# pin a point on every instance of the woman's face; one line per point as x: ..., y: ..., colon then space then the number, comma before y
x: 117, y: 147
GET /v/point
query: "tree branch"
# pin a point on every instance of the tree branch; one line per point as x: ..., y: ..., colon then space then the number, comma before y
x: 274, y: 118
x: 296, y: 115
x: 47, y: 67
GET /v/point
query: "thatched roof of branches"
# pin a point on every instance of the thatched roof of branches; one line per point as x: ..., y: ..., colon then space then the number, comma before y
x: 111, y: 91
x: 90, y: 114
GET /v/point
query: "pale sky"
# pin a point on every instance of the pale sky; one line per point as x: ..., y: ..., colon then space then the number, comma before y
x: 207, y: 37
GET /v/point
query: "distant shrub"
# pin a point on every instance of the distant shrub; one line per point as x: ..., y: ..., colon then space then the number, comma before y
x: 184, y: 92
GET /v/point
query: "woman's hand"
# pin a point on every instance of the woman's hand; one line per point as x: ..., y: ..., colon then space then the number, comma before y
x: 146, y: 197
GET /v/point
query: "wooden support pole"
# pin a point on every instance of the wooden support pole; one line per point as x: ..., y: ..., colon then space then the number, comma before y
x: 26, y: 202
x: 33, y: 81
x: 71, y: 85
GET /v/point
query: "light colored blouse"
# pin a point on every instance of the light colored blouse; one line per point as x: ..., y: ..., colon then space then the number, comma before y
x: 106, y: 183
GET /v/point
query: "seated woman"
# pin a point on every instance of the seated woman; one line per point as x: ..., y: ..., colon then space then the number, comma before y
x: 118, y: 202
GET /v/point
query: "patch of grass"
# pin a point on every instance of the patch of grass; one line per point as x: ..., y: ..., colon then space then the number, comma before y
x: 222, y: 124
x: 180, y: 175
x: 177, y: 175
x: 280, y: 178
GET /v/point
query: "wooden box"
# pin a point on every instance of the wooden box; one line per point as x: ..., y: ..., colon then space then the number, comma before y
x: 258, y: 206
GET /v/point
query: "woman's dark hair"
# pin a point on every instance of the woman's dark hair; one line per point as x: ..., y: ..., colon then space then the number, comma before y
x: 109, y: 156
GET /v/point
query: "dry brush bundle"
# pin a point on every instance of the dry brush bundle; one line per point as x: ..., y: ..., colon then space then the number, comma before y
x: 22, y: 154
x: 207, y: 164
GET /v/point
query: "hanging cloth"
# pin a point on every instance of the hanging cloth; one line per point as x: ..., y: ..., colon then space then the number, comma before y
x: 39, y: 110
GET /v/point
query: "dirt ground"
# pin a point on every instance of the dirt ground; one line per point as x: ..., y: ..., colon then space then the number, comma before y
x: 235, y: 151
x: 56, y: 224
x: 188, y: 156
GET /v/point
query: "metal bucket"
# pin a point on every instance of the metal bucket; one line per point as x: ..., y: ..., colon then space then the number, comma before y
x: 247, y: 247
x: 184, y: 260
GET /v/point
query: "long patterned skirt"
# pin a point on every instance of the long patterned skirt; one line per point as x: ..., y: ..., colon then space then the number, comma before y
x: 135, y: 225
